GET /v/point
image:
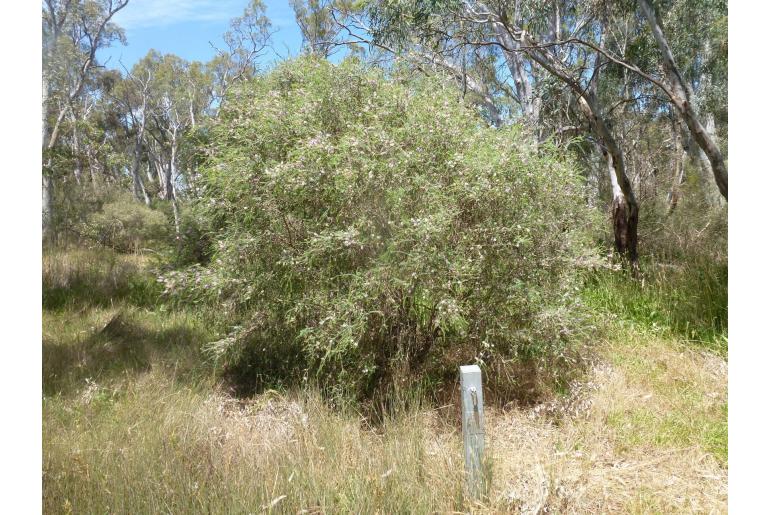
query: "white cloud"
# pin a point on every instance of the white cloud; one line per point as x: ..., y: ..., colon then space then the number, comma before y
x: 161, y: 13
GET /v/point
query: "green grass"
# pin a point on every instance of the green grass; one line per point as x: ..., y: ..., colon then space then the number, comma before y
x: 677, y: 400
x: 102, y: 319
x: 679, y: 429
x: 102, y: 343
x: 655, y: 329
x: 687, y: 301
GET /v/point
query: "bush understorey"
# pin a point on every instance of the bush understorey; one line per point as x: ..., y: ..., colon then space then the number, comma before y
x: 682, y: 291
x: 365, y: 234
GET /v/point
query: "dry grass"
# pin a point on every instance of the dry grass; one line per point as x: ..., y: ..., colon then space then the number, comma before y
x: 134, y: 423
x: 601, y: 456
x: 151, y: 444
x: 78, y: 278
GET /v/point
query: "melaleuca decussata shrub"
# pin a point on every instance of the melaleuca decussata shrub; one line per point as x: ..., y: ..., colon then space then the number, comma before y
x: 369, y: 230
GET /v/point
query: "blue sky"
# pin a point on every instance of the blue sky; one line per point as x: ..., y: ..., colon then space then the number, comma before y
x: 185, y: 28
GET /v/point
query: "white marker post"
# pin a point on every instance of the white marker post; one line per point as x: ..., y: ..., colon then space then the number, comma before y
x: 472, y: 398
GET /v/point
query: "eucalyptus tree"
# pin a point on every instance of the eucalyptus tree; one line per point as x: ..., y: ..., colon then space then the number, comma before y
x: 681, y: 94
x: 73, y: 31
x: 134, y: 94
x: 602, y: 69
x: 474, y: 71
x: 165, y: 97
x: 246, y: 41
x: 533, y: 43
x: 319, y: 30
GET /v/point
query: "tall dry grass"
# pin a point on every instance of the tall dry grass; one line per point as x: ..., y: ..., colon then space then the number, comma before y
x: 155, y: 444
x: 136, y: 421
x: 88, y: 277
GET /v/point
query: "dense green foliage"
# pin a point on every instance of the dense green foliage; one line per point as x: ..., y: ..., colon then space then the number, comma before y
x: 368, y: 228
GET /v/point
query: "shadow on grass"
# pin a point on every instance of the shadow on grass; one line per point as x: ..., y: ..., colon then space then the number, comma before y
x: 123, y: 346
x: 137, y: 292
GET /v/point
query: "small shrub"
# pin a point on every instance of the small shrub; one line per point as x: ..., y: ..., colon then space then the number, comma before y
x: 368, y: 231
x: 126, y: 225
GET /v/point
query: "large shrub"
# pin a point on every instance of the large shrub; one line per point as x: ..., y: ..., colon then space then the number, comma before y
x: 369, y: 229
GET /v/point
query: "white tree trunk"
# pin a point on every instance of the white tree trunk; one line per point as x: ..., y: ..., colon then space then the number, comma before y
x: 47, y: 204
x: 47, y: 184
x: 140, y: 193
x: 680, y: 156
x: 530, y: 106
x: 171, y: 175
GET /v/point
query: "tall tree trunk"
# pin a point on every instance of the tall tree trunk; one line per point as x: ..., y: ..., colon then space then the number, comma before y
x: 682, y: 101
x: 92, y: 168
x: 625, y: 216
x: 47, y: 205
x: 625, y: 213
x: 530, y: 106
x: 713, y: 196
x: 161, y: 172
x: 625, y: 209
x: 77, y: 172
x: 170, y: 176
x: 148, y: 172
x: 140, y: 193
x: 680, y: 155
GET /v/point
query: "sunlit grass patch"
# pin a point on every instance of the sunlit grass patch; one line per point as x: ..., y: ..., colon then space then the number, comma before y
x: 674, y: 396
x: 687, y: 301
x: 77, y: 278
